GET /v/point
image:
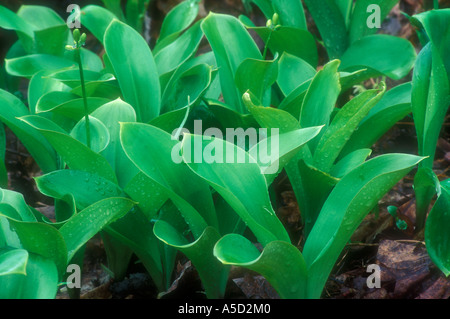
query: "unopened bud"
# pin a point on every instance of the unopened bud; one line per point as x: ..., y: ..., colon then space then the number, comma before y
x: 83, y: 39
x: 76, y: 35
x: 275, y: 18
x: 269, y: 23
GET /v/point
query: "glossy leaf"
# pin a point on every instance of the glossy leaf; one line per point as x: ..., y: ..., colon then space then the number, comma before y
x: 13, y: 261
x: 280, y: 263
x: 220, y: 30
x: 331, y: 25
x: 136, y: 73
x: 84, y: 225
x: 213, y: 274
x: 292, y: 72
x: 436, y: 232
x: 381, y: 55
x: 235, y: 175
x: 290, y: 13
x: 96, y: 19
x: 349, y: 202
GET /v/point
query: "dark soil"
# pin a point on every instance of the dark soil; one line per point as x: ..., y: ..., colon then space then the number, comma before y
x: 407, y: 271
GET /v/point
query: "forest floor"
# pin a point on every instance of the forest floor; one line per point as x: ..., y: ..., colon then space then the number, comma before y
x: 406, y: 269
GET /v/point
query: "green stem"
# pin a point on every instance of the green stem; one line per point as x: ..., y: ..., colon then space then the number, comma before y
x: 436, y: 4
x: 83, y: 90
x: 267, y: 44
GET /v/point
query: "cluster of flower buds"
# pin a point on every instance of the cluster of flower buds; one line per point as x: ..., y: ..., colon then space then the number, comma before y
x: 273, y: 23
x: 79, y: 40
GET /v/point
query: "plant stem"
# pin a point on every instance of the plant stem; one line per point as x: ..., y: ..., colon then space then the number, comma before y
x: 436, y: 4
x: 267, y: 44
x: 83, y: 90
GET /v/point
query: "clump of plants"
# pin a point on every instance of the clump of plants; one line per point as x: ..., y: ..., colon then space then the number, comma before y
x: 166, y: 150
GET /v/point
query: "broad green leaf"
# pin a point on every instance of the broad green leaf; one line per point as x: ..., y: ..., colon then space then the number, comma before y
x: 50, y: 40
x: 264, y: 5
x: 96, y: 19
x: 174, y: 54
x: 135, y: 11
x: 10, y: 109
x: 282, y: 149
x: 350, y: 201
x: 13, y: 261
x: 213, y: 274
x: 286, y: 39
x: 84, y: 225
x: 99, y: 134
x: 321, y: 97
x: 149, y: 195
x: 86, y: 188
x: 359, y: 19
x: 136, y: 73
x: 393, y: 107
x: 331, y: 25
x: 228, y: 117
x: 111, y: 114
x: 294, y: 101
x: 41, y: 281
x: 280, y: 263
x: 341, y: 128
x: 179, y: 18
x: 156, y: 154
x: 346, y: 8
x: 235, y: 175
x: 292, y: 72
x: 29, y: 65
x: 349, y: 162
x: 11, y: 21
x: 115, y: 7
x: 256, y: 76
x: 290, y: 13
x: 40, y: 84
x: 74, y: 153
x: 220, y: 30
x: 436, y: 232
x: 40, y: 17
x: 426, y: 185
x: 67, y: 104
x: 42, y: 239
x: 381, y: 54
x: 187, y: 89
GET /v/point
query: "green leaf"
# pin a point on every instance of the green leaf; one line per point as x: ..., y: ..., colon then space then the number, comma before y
x: 136, y: 73
x: 84, y: 225
x: 256, y: 76
x: 393, y: 107
x: 96, y: 19
x: 29, y: 65
x: 181, y: 49
x: 426, y: 185
x: 280, y: 263
x: 292, y: 72
x: 11, y: 21
x: 77, y: 155
x: 187, y: 89
x: 212, y: 273
x: 349, y: 162
x: 350, y: 201
x: 290, y: 13
x: 331, y: 25
x: 436, y: 232
x: 235, y: 175
x: 359, y: 27
x: 286, y: 39
x: 42, y: 239
x: 41, y: 281
x: 220, y: 30
x: 341, y: 128
x: 111, y: 114
x: 42, y: 152
x: 154, y: 152
x: 178, y: 19
x: 381, y: 54
x: 67, y: 104
x: 13, y: 261
x: 321, y: 97
x: 135, y: 11
x: 99, y: 134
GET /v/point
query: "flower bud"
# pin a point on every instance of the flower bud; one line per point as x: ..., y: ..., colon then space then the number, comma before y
x: 83, y: 39
x: 76, y: 35
x: 275, y: 18
x: 269, y: 23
